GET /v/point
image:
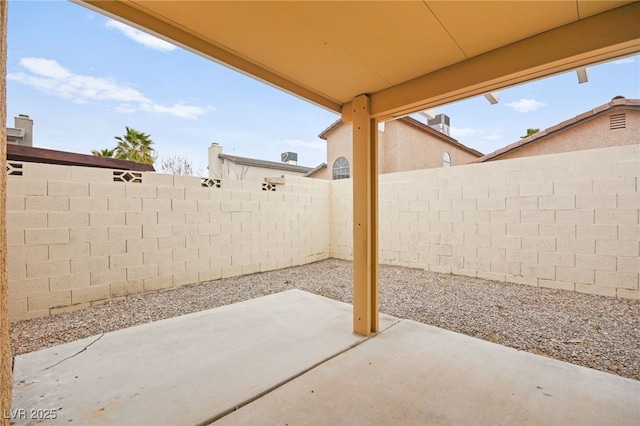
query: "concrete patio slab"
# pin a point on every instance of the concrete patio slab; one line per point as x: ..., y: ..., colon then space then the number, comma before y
x: 291, y: 358
x: 415, y: 374
x: 185, y: 370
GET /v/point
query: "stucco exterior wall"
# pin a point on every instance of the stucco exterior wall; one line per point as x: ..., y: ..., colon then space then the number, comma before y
x: 223, y: 168
x: 323, y: 173
x: 76, y: 237
x: 339, y: 144
x: 588, y: 135
x: 568, y: 221
x: 402, y: 147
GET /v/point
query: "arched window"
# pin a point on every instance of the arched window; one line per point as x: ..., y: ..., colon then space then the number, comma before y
x: 341, y: 168
x: 446, y: 160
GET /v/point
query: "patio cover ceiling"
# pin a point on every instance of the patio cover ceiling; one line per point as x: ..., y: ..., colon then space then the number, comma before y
x: 407, y: 56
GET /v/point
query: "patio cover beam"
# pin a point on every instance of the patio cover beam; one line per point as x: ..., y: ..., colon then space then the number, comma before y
x: 595, y: 39
x: 365, y: 218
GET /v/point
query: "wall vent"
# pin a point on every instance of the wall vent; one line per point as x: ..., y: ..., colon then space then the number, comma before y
x: 127, y: 176
x: 268, y: 186
x: 210, y: 183
x: 617, y: 121
x: 14, y: 169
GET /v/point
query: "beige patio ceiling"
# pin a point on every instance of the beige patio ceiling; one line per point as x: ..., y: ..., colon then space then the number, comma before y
x: 397, y: 52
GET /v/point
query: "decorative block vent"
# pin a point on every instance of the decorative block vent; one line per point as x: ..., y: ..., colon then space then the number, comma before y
x: 210, y: 183
x: 127, y: 176
x: 268, y: 187
x: 617, y: 121
x: 14, y: 169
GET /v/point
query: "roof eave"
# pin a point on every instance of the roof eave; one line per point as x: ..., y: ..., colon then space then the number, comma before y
x: 444, y: 137
x: 246, y: 161
x: 562, y: 126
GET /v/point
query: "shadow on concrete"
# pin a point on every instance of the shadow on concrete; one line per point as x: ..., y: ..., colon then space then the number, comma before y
x: 291, y: 358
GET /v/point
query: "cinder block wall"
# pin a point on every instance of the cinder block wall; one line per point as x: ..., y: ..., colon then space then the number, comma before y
x: 341, y: 225
x: 568, y: 221
x: 77, y: 237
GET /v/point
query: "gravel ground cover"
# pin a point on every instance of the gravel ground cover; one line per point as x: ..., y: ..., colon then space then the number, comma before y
x: 593, y: 331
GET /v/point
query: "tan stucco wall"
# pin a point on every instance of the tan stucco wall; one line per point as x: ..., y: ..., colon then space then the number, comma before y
x: 402, y: 147
x: 323, y: 173
x: 339, y: 144
x: 591, y: 134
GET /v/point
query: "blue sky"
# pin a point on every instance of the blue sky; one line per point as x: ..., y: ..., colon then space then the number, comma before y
x: 83, y: 77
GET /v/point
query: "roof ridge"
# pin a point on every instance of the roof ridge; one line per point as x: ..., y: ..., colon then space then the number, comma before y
x: 265, y: 163
x: 616, y: 102
x: 412, y: 121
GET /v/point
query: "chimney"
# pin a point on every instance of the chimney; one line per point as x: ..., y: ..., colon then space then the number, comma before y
x: 441, y: 123
x: 215, y: 162
x: 289, y: 158
x: 22, y: 121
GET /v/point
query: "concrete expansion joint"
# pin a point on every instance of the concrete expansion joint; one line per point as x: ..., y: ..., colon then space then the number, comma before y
x: 77, y: 353
x: 390, y: 326
x: 236, y: 407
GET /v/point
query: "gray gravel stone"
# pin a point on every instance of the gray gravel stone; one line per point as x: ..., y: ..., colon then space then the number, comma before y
x: 592, y: 331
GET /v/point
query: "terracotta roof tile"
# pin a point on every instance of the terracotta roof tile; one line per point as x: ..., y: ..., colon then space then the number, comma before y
x: 617, y: 102
x: 49, y: 156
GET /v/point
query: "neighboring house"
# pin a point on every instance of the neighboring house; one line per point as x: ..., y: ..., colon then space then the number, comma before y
x: 20, y: 149
x: 612, y: 124
x: 404, y: 144
x: 22, y: 133
x: 31, y: 154
x: 223, y: 166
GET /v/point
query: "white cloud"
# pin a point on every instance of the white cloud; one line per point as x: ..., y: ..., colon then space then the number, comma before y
x: 125, y: 108
x: 49, y: 77
x: 45, y: 68
x: 494, y: 136
x: 317, y: 144
x: 140, y: 37
x: 526, y: 105
x: 624, y: 61
x: 179, y: 110
x: 464, y: 131
x: 458, y: 132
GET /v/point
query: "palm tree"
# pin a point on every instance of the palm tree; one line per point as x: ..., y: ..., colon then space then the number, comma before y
x: 104, y: 152
x: 530, y: 131
x: 135, y: 146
